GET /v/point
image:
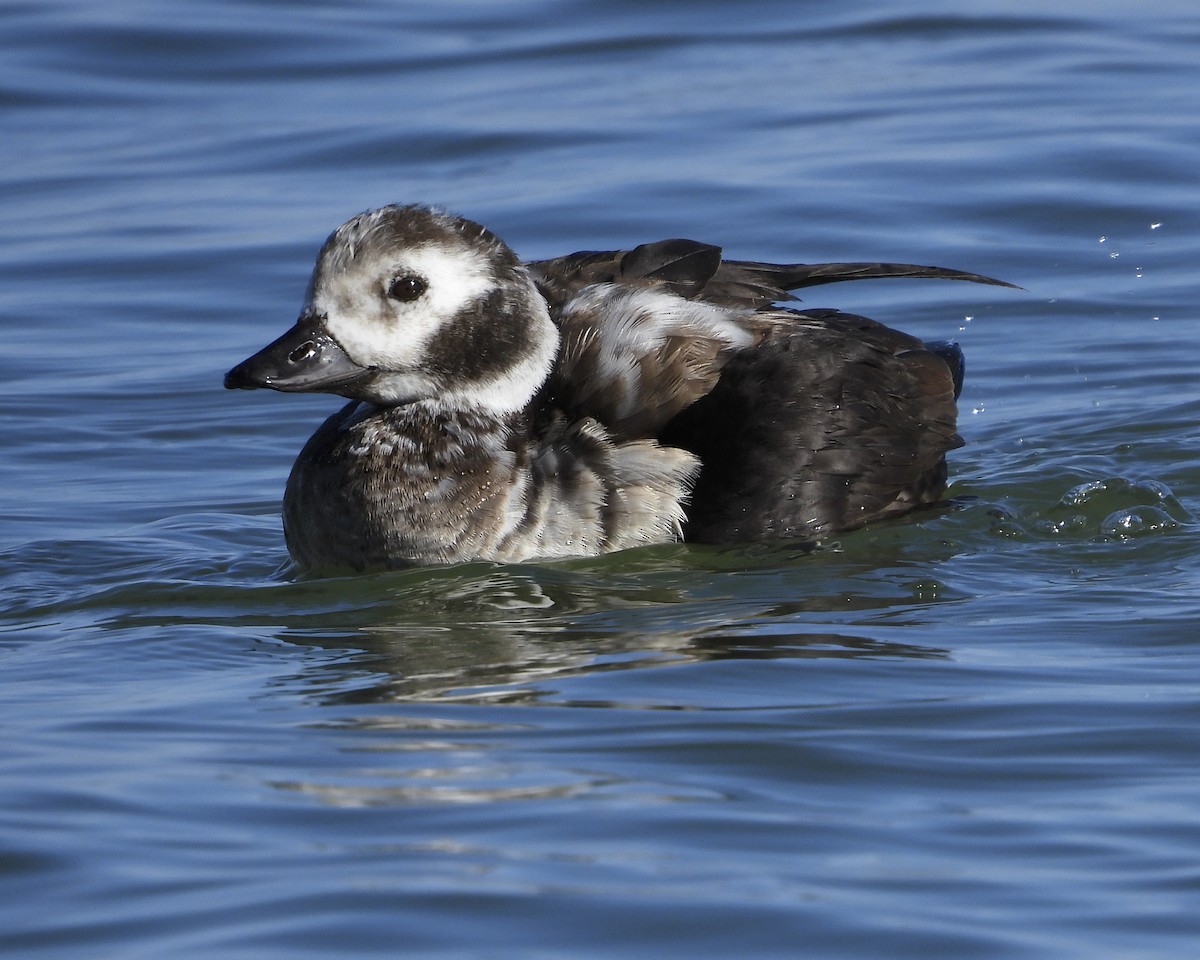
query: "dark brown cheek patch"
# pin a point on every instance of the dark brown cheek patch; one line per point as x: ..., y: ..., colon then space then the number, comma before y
x: 481, y: 343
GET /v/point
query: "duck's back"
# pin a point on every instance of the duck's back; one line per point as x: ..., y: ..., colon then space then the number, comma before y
x: 826, y: 426
x: 805, y: 422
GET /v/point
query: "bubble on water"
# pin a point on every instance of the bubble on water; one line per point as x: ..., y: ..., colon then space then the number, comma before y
x: 1137, y: 522
x: 1154, y: 491
x: 1116, y: 507
x: 1081, y: 494
x: 1075, y: 523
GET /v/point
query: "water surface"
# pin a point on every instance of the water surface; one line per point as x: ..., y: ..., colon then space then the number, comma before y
x: 970, y: 733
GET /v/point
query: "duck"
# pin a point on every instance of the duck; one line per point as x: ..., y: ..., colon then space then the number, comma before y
x: 510, y: 411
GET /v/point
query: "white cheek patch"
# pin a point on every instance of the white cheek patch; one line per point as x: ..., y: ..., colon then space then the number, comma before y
x: 377, y: 331
x: 457, y: 278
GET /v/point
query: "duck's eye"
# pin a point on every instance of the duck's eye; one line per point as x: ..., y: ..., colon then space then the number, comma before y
x: 407, y: 288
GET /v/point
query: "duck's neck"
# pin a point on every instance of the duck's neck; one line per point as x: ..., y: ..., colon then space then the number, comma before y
x: 510, y: 389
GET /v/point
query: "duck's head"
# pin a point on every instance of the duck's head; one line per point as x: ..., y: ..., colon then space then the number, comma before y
x: 408, y: 303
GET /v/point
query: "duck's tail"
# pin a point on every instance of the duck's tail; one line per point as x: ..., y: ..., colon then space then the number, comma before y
x: 795, y: 276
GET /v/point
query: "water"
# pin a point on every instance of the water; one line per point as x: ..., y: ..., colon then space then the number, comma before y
x: 967, y: 734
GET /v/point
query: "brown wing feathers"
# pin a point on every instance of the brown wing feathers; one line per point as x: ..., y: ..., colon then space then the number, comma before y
x: 695, y: 271
x: 817, y: 421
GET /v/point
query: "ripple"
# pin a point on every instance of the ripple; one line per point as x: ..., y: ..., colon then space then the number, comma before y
x: 966, y: 733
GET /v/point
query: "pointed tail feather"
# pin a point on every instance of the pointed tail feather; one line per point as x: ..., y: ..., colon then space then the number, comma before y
x: 794, y: 276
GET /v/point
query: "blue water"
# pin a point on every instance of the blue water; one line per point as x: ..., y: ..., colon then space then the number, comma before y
x: 971, y: 733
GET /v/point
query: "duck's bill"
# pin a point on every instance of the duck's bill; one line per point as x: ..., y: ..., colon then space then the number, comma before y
x: 305, y: 359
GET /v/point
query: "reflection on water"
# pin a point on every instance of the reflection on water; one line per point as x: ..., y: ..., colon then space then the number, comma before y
x: 455, y: 631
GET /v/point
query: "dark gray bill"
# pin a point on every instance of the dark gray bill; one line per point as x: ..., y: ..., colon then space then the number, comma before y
x: 305, y: 359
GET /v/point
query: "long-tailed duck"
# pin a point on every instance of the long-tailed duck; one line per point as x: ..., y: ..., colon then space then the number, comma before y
x: 504, y: 410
